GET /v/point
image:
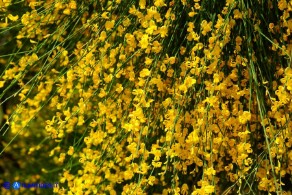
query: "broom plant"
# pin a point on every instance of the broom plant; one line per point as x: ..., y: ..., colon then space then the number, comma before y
x: 146, y: 97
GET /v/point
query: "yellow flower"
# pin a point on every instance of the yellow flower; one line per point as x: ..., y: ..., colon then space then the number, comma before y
x: 102, y: 36
x: 189, y: 81
x: 142, y: 4
x: 237, y: 14
x: 109, y: 25
x: 70, y: 151
x: 152, y: 27
x: 209, y: 189
x: 128, y: 174
x: 210, y: 171
x: 25, y: 19
x: 3, y: 25
x: 206, y: 27
x: 247, y: 148
x: 282, y: 4
x: 216, y: 78
x: 62, y: 157
x: 170, y: 72
x: 33, y: 58
x: 184, y: 189
x: 156, y: 164
x: 172, y: 60
x: 197, y: 6
x: 12, y: 18
x: 151, y: 180
x: 72, y: 5
x: 148, y: 61
x: 156, y: 48
x: 246, y: 116
x: 119, y: 88
x: 191, y: 14
x: 163, y: 31
x: 163, y: 68
x: 144, y: 73
x: 159, y: 3
x: 229, y: 167
x: 194, y: 36
x: 183, y: 88
x: 144, y: 41
x: 67, y: 11
x: 2, y: 83
x: 108, y: 78
x: 59, y: 5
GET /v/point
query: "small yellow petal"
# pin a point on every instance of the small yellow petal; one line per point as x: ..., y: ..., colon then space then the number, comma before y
x: 67, y: 11
x: 32, y: 41
x: 2, y: 84
x: 3, y: 25
x: 12, y: 18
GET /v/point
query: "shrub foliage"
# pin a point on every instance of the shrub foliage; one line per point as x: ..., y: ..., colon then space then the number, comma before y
x: 145, y: 97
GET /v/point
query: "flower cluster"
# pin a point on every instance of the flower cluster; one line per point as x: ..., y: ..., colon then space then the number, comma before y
x: 145, y: 97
